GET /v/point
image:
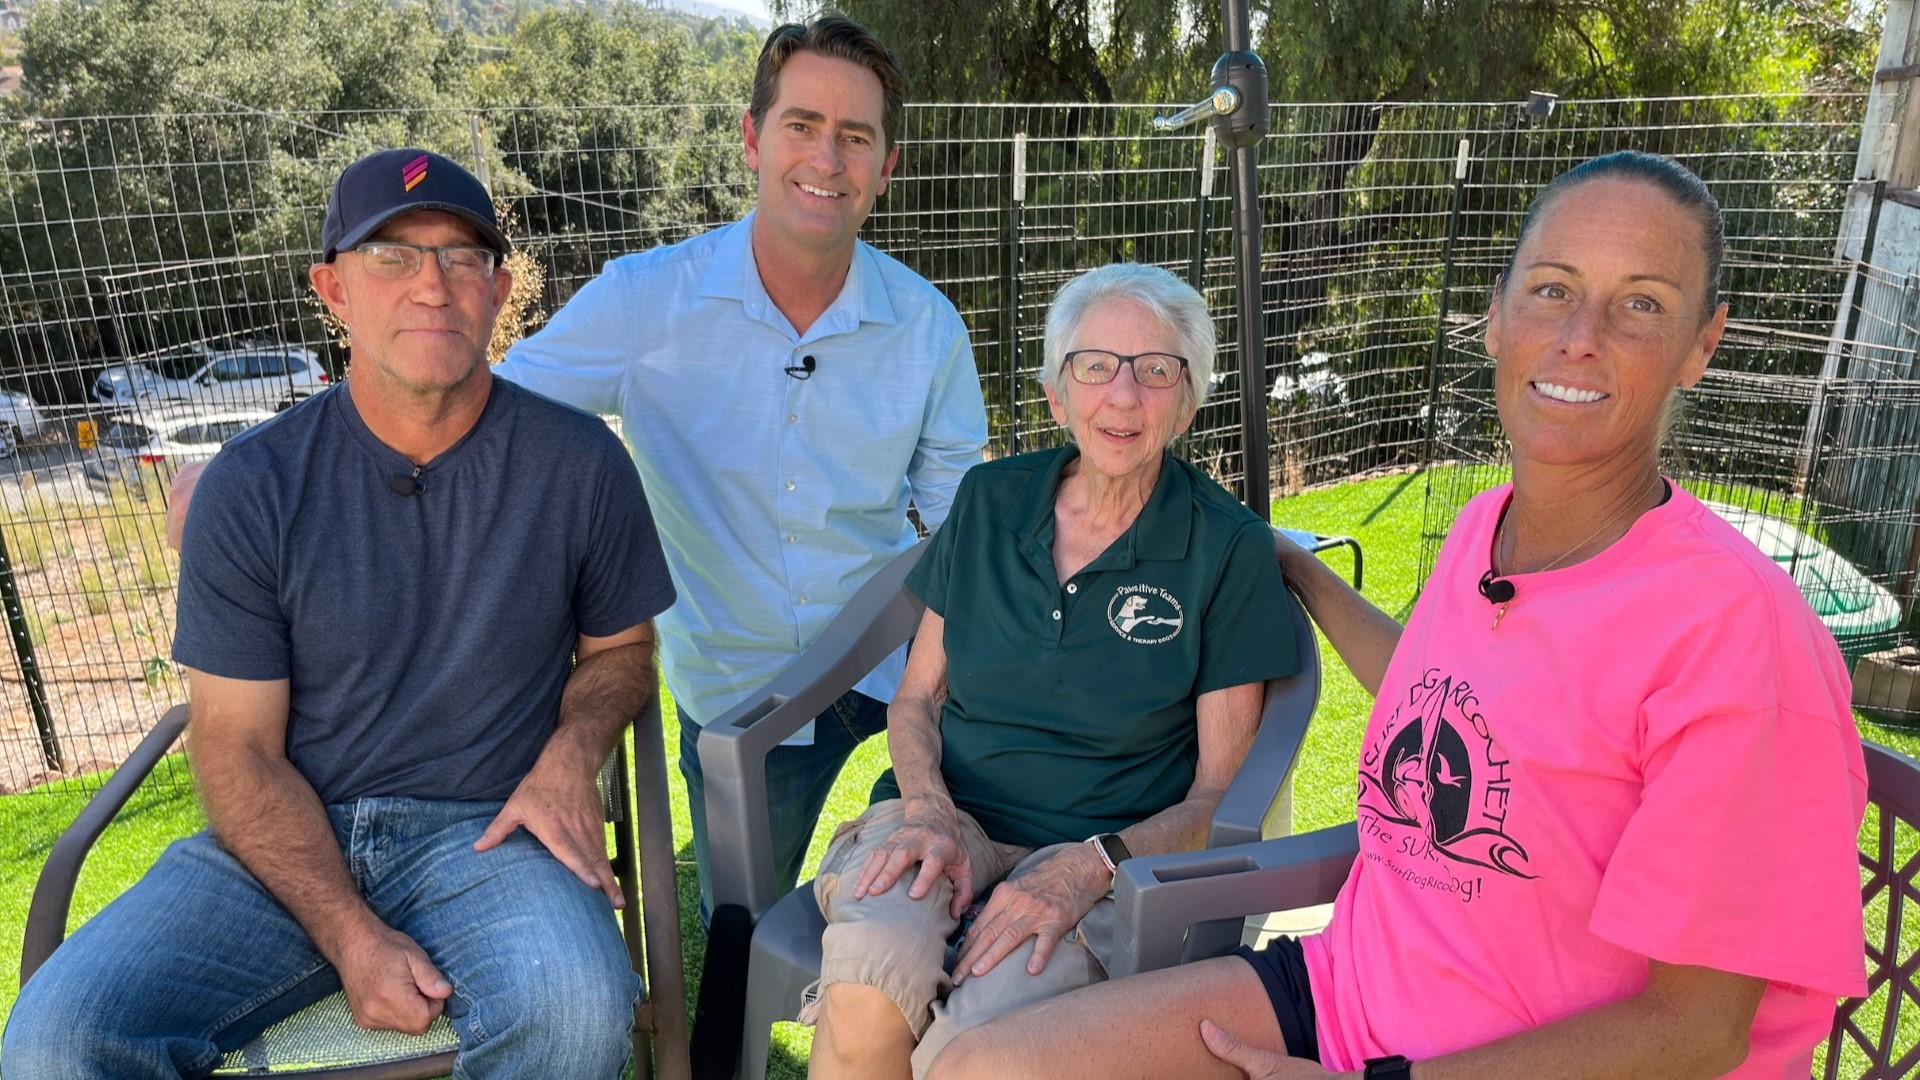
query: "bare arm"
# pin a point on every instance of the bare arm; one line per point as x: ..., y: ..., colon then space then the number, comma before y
x: 1362, y: 634
x: 267, y: 815
x: 558, y: 800
x: 1047, y: 898
x: 179, y: 495
x: 1228, y: 719
x: 913, y: 720
x: 1689, y: 1022
x: 930, y: 832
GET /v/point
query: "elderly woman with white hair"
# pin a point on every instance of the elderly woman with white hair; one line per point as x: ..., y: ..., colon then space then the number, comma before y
x: 1100, y: 621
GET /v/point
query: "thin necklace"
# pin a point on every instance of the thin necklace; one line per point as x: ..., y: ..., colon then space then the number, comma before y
x: 1501, y: 531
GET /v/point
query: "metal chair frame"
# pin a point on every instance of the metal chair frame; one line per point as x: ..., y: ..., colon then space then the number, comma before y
x: 650, y: 923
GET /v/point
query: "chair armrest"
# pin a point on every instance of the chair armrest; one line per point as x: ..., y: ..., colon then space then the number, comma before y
x: 733, y: 749
x: 1893, y: 779
x: 53, y: 894
x: 1157, y: 898
x: 1262, y: 780
x: 660, y: 907
x: 1317, y: 543
x: 1327, y: 543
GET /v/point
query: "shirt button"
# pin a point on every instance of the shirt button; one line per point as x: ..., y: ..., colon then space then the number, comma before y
x: 793, y: 418
x: 803, y: 599
x: 792, y: 539
x: 1071, y: 589
x: 1056, y: 614
x: 789, y: 485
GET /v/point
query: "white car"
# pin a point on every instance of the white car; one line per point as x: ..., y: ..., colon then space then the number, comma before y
x: 265, y: 373
x: 143, y: 450
x: 20, y: 418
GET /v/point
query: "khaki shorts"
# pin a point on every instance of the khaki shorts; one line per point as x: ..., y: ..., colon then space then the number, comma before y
x: 898, y: 945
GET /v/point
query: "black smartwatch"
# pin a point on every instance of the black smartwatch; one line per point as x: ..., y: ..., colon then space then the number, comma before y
x: 1388, y: 1068
x: 1113, y: 850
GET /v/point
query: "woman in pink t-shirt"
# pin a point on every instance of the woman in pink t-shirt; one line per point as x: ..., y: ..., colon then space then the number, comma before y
x: 1609, y: 792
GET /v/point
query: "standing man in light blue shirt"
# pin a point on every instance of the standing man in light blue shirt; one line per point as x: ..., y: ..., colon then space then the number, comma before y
x: 787, y: 390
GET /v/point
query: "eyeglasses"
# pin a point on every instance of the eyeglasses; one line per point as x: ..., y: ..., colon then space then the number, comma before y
x: 1154, y: 370
x: 395, y: 261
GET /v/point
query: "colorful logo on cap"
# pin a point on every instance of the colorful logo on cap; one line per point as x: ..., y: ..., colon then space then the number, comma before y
x: 414, y: 172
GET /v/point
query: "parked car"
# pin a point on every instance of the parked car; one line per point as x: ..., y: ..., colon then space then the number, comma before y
x: 143, y: 450
x: 20, y: 418
x: 264, y: 373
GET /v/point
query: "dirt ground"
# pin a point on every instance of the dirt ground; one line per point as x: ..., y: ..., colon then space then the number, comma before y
x: 95, y: 582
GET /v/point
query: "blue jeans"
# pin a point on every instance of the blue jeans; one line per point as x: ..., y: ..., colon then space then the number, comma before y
x: 799, y: 779
x: 198, y: 958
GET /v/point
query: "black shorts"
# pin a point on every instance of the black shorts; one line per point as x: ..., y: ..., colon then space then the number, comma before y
x: 1282, y: 968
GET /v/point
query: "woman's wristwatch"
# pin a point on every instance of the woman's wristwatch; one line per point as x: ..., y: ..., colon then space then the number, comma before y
x: 1113, y: 850
x: 1388, y: 1068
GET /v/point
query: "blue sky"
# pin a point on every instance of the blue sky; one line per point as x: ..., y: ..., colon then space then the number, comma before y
x: 751, y: 7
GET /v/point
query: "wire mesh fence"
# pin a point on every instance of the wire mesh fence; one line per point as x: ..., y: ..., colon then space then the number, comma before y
x: 153, y: 257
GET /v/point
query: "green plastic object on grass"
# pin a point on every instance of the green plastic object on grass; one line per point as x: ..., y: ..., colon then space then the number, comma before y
x: 1859, y: 612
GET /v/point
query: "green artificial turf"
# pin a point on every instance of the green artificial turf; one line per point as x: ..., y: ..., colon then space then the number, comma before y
x: 161, y: 811
x: 1384, y: 513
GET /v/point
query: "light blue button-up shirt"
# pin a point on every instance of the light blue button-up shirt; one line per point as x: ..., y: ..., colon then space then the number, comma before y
x: 776, y: 497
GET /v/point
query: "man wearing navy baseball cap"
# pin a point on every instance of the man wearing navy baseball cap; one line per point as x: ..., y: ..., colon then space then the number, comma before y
x: 382, y: 186
x: 382, y: 593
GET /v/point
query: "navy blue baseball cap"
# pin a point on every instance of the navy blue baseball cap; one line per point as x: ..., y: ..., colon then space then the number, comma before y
x: 382, y: 186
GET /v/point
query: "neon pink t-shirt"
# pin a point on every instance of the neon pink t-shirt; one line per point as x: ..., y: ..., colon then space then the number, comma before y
x: 1652, y: 756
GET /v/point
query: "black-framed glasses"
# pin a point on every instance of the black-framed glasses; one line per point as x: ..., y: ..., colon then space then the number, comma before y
x: 395, y: 261
x: 1154, y: 370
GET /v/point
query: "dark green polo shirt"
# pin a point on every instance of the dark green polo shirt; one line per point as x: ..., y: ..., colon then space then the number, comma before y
x: 1070, y: 708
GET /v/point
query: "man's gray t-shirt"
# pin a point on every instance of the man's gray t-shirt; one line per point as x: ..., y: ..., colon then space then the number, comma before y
x: 426, y: 637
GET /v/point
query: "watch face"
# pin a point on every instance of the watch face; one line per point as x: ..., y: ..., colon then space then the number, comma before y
x: 1115, y: 848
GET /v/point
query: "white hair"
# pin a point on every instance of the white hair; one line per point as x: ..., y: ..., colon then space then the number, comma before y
x: 1172, y: 302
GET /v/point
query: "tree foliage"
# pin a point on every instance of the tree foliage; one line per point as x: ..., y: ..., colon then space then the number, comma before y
x: 128, y: 57
x: 1041, y: 50
x: 1368, y: 50
x: 609, y: 124
x: 164, y: 168
x: 1407, y: 50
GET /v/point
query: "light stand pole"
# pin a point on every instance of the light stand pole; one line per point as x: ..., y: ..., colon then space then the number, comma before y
x: 1239, y: 110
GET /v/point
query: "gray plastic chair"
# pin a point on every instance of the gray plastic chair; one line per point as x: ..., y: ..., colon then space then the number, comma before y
x: 1157, y: 899
x: 322, y: 1040
x: 784, y: 954
x: 1869, y: 1028
x: 1319, y: 542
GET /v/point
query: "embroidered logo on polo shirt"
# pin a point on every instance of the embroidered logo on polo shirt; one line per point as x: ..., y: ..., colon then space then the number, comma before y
x: 1145, y: 614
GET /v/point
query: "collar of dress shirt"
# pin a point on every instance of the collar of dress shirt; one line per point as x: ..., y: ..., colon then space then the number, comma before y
x: 733, y: 275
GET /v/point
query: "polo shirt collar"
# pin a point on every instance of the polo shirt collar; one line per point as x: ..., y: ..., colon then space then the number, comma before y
x: 732, y: 274
x: 1160, y: 531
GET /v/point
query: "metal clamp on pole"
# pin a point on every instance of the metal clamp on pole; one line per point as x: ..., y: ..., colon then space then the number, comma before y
x: 1222, y: 102
x: 1240, y: 73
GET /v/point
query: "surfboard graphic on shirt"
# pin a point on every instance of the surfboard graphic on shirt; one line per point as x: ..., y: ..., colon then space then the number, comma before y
x: 1436, y: 768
